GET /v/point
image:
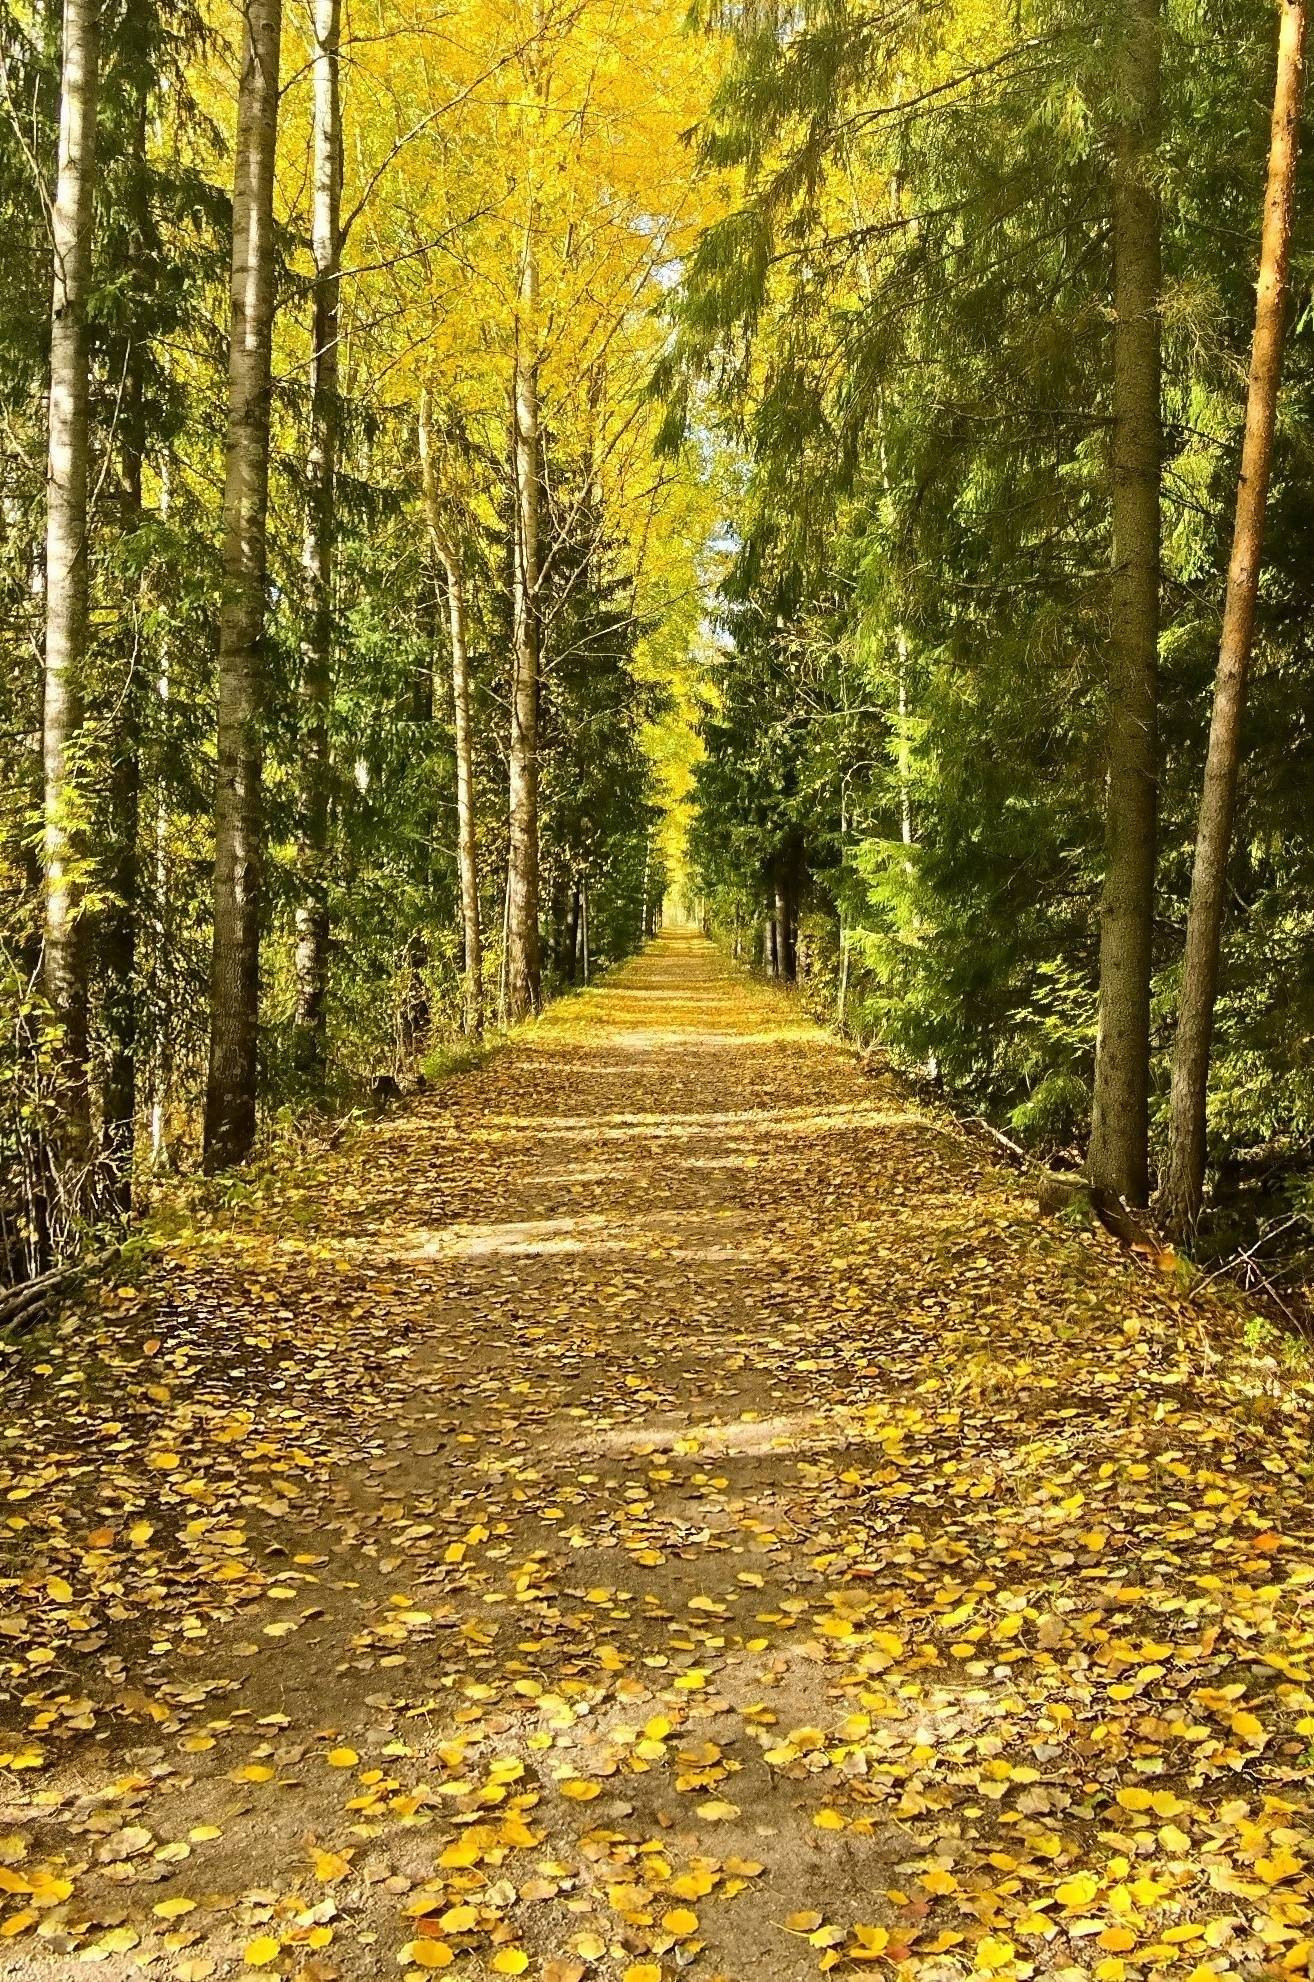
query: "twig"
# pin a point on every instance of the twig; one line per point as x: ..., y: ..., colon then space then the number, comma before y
x: 1246, y: 1257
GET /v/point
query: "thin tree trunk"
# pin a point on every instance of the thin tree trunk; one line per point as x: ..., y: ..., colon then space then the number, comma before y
x: 467, y: 842
x: 312, y: 916
x: 574, y: 934
x: 230, y: 1101
x: 118, y: 928
x: 584, y: 926
x: 65, y: 967
x: 119, y: 923
x: 1119, y: 1140
x: 784, y: 933
x: 1183, y: 1183
x: 162, y: 936
x: 523, y: 970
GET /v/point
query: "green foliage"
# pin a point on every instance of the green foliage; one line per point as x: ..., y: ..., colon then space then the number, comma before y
x: 903, y: 333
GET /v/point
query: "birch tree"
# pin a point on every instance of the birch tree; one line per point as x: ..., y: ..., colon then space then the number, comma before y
x: 444, y: 539
x: 522, y: 961
x: 312, y: 917
x: 65, y: 851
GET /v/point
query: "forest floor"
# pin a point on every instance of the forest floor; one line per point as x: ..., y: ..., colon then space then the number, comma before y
x: 665, y: 1500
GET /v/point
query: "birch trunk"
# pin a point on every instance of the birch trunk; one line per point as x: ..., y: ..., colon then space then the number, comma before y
x: 312, y: 916
x: 1183, y: 1183
x: 65, y: 962
x: 522, y: 963
x: 230, y: 1102
x: 1118, y: 1159
x: 467, y: 847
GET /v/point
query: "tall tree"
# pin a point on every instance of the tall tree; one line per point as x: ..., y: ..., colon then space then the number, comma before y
x: 230, y: 1101
x: 117, y: 930
x: 66, y: 575
x: 522, y: 965
x: 1118, y: 1157
x: 312, y: 915
x: 447, y: 551
x: 1183, y: 1182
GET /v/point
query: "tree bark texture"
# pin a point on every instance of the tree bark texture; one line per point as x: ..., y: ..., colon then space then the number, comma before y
x: 1183, y: 1183
x: 119, y: 921
x: 523, y: 990
x: 312, y: 915
x: 448, y: 553
x: 1119, y: 1141
x: 64, y: 848
x: 230, y: 1102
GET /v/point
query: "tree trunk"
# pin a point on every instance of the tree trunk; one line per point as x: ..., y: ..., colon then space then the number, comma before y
x: 230, y: 1101
x: 312, y: 916
x: 118, y: 931
x: 118, y: 928
x: 65, y: 966
x: 574, y: 934
x: 785, y: 963
x: 523, y: 990
x: 1183, y: 1183
x: 161, y: 1073
x: 448, y: 554
x: 1119, y: 1141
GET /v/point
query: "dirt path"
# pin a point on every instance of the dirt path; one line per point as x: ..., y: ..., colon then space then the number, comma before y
x: 660, y: 1503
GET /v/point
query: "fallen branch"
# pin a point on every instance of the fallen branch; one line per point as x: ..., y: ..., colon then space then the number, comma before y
x: 30, y: 1298
x: 1246, y: 1256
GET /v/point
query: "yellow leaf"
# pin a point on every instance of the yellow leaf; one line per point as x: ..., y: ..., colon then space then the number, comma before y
x: 829, y: 1820
x: 991, y: 1953
x: 330, y: 1865
x: 872, y: 1940
x: 172, y: 1909
x: 1079, y: 1891
x: 510, y: 1961
x: 939, y: 1880
x: 805, y: 1922
x: 578, y: 1790
x: 261, y: 1951
x: 430, y: 1954
x: 164, y: 1462
x: 718, y: 1811
x: 342, y: 1758
x: 642, y: 1971
x: 681, y: 1920
x: 57, y: 1588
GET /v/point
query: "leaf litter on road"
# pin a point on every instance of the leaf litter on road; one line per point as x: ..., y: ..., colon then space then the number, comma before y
x: 664, y: 1503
